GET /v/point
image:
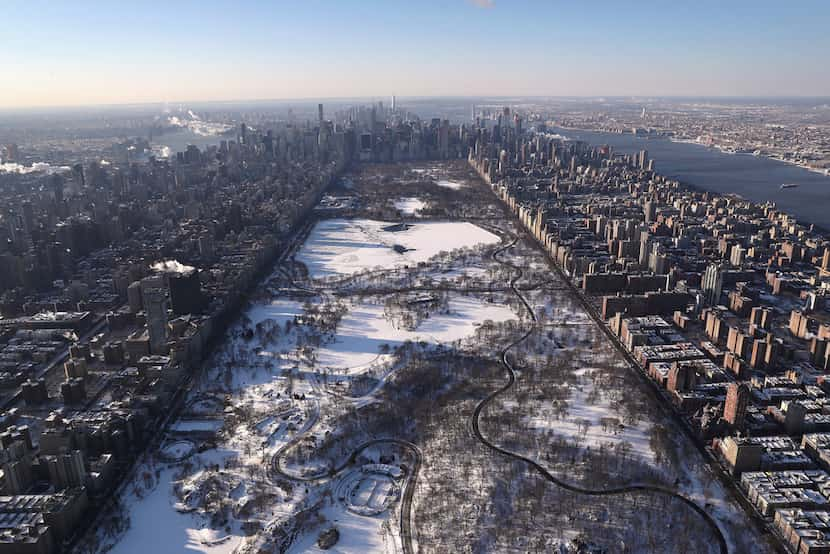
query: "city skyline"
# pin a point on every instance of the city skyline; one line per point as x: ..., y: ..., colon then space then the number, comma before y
x: 213, y: 51
x: 383, y: 276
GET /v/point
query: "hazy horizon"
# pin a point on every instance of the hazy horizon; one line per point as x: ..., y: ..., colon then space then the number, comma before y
x: 213, y: 51
x: 402, y: 99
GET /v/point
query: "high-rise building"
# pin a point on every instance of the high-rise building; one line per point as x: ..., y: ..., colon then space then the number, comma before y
x: 66, y: 470
x: 134, y: 296
x: 650, y: 211
x: 682, y: 377
x: 18, y: 476
x: 320, y: 113
x: 794, y: 418
x: 737, y: 398
x: 9, y: 153
x: 444, y: 138
x: 712, y: 283
x: 57, y: 188
x: 185, y: 292
x: 155, y: 307
x: 737, y: 255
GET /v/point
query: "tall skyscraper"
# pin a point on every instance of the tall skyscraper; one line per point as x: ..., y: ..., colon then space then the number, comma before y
x: 18, y: 476
x: 66, y: 470
x: 444, y: 138
x: 650, y: 211
x: 320, y: 113
x: 155, y: 307
x: 737, y: 398
x: 185, y: 292
x: 712, y: 283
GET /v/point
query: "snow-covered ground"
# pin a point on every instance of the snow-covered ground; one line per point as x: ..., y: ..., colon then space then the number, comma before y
x: 591, y: 415
x: 365, y: 328
x: 344, y: 246
x: 358, y: 534
x: 454, y: 185
x: 409, y: 205
x: 251, y: 374
x: 156, y: 526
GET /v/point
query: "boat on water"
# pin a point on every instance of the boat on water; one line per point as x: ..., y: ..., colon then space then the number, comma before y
x: 789, y: 185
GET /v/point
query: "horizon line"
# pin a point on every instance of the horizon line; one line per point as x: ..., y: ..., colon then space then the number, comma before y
x: 312, y: 99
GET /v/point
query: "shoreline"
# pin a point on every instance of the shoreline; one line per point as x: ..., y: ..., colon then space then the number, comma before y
x: 723, y: 150
x: 824, y: 229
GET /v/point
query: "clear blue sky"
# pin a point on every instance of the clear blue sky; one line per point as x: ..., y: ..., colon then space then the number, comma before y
x: 63, y: 52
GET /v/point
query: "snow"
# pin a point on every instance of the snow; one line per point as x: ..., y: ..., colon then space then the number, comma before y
x: 177, y: 450
x: 280, y: 310
x: 454, y: 185
x: 580, y: 409
x: 155, y: 526
x: 190, y: 425
x: 343, y: 246
x: 358, y: 534
x: 409, y: 205
x: 365, y: 328
x: 334, y: 247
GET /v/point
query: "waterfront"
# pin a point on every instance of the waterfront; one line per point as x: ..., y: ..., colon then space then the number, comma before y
x: 167, y: 144
x: 755, y: 178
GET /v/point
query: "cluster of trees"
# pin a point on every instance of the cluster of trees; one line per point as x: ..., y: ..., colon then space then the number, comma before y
x: 406, y: 311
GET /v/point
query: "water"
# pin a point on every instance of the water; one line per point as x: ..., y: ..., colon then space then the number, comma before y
x: 754, y: 178
x: 178, y: 140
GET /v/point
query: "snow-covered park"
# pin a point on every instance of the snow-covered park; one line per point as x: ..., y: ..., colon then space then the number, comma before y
x: 344, y: 246
x: 287, y: 402
x: 409, y: 205
x: 264, y: 372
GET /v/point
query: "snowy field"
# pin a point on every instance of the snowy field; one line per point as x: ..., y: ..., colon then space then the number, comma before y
x: 364, y: 329
x: 158, y: 522
x: 358, y: 534
x: 591, y: 414
x: 454, y: 185
x: 409, y: 205
x: 156, y: 526
x: 344, y: 246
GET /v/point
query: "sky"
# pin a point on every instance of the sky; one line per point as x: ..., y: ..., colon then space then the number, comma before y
x: 86, y: 52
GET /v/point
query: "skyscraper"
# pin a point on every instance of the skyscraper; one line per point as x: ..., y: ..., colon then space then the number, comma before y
x: 320, y: 113
x: 444, y: 138
x: 155, y: 306
x: 66, y: 470
x: 185, y: 292
x: 737, y: 398
x: 650, y: 211
x: 712, y: 283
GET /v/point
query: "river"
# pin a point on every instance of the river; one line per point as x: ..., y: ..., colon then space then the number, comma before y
x: 754, y: 178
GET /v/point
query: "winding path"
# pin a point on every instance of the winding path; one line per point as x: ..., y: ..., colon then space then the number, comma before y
x: 276, y: 469
x: 409, y: 490
x: 544, y: 473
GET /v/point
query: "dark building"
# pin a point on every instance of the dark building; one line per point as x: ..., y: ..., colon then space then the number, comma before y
x: 737, y: 398
x: 186, y: 293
